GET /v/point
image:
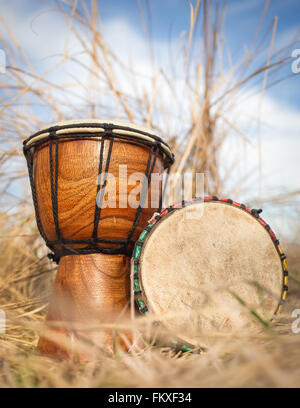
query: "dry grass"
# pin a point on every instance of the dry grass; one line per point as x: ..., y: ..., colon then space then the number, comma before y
x: 210, y: 89
x: 238, y: 358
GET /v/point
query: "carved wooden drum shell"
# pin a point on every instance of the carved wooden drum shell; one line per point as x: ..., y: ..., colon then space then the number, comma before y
x: 78, y: 170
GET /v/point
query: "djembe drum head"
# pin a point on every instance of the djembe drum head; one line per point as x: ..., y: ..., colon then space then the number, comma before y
x: 208, y: 266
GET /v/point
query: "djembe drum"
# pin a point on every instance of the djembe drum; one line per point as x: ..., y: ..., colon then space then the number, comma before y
x: 73, y: 167
x: 208, y: 265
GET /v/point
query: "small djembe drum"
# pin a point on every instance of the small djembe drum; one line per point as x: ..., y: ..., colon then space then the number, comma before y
x: 73, y: 168
x: 208, y: 265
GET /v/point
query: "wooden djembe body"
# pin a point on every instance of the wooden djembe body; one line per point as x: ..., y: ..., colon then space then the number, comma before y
x: 80, y: 194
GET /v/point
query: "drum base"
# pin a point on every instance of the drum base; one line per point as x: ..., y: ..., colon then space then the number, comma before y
x: 90, y: 299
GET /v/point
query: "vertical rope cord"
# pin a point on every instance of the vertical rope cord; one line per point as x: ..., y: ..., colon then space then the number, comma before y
x: 98, y: 207
x: 29, y: 159
x: 96, y: 216
x: 164, y: 187
x: 144, y: 194
x: 53, y: 184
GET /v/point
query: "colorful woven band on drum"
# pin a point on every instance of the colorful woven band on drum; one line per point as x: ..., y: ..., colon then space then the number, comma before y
x: 103, y: 132
x: 140, y: 298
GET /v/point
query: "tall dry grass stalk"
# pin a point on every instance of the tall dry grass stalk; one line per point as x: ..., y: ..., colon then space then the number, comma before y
x: 205, y: 86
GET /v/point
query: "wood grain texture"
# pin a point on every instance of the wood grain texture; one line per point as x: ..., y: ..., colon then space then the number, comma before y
x: 90, y: 290
x: 78, y: 168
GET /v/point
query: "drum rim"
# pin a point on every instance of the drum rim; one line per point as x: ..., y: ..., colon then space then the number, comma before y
x: 85, y: 126
x: 138, y: 290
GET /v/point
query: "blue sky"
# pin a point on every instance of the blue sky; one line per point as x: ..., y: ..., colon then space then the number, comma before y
x: 41, y: 32
x: 169, y: 20
x: 171, y: 17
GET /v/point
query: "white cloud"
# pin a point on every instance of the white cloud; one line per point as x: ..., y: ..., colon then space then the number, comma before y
x: 280, y: 140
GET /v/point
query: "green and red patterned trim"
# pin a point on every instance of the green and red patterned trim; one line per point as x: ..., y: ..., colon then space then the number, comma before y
x: 139, y: 296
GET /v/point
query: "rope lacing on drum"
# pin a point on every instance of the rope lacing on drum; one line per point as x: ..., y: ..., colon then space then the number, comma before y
x: 255, y: 212
x: 61, y: 246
